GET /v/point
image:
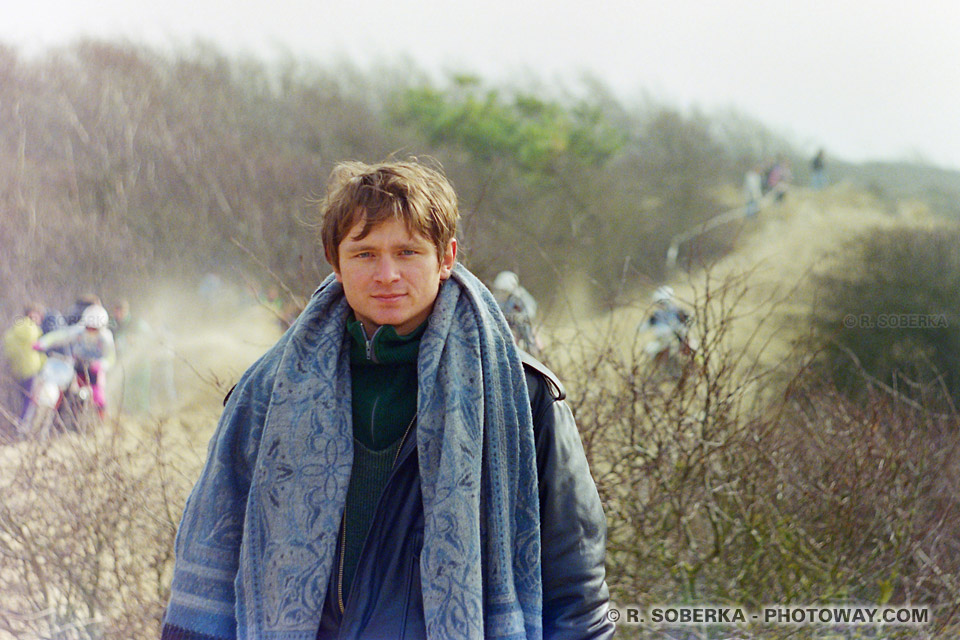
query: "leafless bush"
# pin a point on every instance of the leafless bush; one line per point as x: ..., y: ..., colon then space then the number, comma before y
x: 874, y: 485
x: 86, y: 535
x: 731, y: 483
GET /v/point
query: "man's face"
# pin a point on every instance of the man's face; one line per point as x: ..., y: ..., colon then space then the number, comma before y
x: 392, y: 277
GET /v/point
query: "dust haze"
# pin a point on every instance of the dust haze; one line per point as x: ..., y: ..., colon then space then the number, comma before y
x: 207, y: 338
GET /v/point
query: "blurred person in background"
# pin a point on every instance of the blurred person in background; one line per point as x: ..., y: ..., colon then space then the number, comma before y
x: 90, y: 343
x: 75, y: 311
x: 52, y: 320
x: 818, y: 176
x: 132, y: 336
x: 777, y: 178
x: 23, y: 360
x: 670, y: 344
x: 752, y: 191
x: 145, y: 358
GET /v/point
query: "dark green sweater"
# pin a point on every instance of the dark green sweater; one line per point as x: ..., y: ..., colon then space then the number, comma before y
x: 383, y: 376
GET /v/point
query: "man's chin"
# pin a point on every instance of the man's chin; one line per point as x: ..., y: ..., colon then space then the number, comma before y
x: 391, y: 319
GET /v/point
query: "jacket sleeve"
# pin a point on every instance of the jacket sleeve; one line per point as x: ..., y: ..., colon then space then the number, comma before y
x: 572, y: 524
x: 58, y: 338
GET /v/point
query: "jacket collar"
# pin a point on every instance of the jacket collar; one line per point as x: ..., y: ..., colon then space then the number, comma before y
x: 384, y: 346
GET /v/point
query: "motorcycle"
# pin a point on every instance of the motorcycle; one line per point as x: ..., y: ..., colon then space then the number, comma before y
x: 671, y: 355
x: 58, y: 394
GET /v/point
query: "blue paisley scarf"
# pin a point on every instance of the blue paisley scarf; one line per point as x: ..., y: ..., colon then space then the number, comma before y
x: 258, y: 536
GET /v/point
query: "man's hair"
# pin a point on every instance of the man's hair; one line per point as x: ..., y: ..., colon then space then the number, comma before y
x: 421, y: 197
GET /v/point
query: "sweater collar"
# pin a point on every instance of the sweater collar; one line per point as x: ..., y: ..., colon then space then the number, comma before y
x: 384, y: 346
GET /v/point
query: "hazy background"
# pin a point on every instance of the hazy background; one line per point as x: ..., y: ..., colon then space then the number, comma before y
x: 867, y: 79
x: 808, y: 450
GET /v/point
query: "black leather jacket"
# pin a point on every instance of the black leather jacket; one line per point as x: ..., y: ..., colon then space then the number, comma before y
x: 385, y: 600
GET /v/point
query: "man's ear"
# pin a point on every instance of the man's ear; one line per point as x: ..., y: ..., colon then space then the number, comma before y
x: 336, y: 274
x: 448, y: 259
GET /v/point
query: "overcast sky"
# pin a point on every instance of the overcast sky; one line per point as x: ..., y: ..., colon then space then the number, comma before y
x: 866, y: 79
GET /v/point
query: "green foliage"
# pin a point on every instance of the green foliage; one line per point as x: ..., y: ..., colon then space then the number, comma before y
x: 526, y: 129
x: 886, y: 315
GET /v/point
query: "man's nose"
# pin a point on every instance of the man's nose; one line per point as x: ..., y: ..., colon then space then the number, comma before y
x: 387, y: 269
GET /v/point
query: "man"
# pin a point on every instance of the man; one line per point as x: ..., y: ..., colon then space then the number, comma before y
x: 390, y: 469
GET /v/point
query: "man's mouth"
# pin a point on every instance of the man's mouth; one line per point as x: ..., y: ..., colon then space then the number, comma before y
x: 388, y: 297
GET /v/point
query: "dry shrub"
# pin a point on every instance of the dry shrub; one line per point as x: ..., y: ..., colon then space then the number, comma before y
x: 873, y: 486
x: 86, y: 535
x: 667, y: 454
x: 736, y: 484
x: 886, y: 316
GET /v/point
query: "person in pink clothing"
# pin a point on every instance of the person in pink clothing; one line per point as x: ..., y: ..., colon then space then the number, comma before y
x: 90, y: 343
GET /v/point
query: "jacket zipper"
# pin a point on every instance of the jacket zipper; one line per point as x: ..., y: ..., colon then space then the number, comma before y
x: 343, y: 521
x: 343, y: 544
x: 368, y: 343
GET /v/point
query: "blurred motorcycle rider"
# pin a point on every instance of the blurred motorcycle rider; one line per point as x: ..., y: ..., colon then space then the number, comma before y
x: 90, y: 343
x: 670, y: 326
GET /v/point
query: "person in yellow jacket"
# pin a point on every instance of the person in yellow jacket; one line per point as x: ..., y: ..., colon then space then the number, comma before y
x: 23, y: 360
